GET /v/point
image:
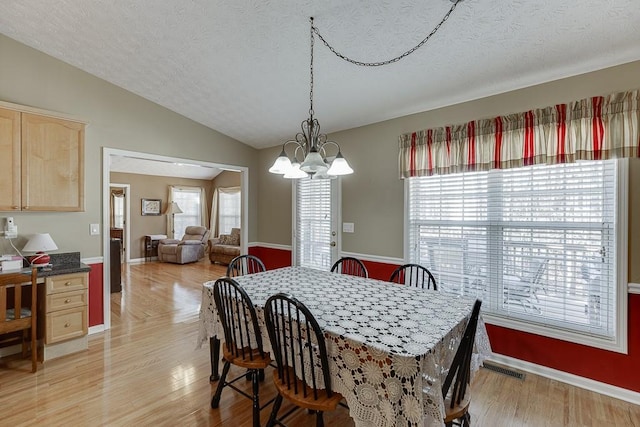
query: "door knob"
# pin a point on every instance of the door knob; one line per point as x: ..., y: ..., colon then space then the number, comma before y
x: 333, y: 243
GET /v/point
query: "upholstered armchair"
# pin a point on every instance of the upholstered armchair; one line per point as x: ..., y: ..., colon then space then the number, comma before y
x: 225, y: 248
x: 189, y: 249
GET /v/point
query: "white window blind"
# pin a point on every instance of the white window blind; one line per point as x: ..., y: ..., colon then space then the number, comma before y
x: 188, y: 199
x: 313, y: 223
x: 228, y: 211
x: 118, y: 211
x: 536, y: 244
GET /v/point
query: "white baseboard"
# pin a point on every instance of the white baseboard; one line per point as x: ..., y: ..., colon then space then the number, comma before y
x: 574, y: 380
x: 8, y: 351
x: 634, y: 288
x: 96, y: 329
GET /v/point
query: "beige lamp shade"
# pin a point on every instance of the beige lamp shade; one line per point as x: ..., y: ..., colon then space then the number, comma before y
x: 173, y: 208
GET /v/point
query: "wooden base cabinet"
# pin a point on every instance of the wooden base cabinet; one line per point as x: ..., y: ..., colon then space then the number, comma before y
x: 66, y: 316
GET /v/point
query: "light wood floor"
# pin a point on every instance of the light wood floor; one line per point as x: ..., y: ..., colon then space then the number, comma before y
x: 146, y: 371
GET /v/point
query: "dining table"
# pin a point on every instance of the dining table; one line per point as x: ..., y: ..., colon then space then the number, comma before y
x: 390, y: 346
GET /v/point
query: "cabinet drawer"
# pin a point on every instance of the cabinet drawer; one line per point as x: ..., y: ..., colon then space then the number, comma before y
x: 66, y: 324
x: 67, y: 282
x: 66, y: 300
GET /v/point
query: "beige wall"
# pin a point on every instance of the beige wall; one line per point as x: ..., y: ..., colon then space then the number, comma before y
x: 153, y: 187
x: 227, y: 179
x: 117, y: 119
x: 373, y: 197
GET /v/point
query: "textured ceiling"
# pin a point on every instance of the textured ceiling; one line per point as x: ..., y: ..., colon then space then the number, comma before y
x: 241, y: 67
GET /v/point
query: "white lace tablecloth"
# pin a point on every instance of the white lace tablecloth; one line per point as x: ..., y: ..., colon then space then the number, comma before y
x: 390, y: 346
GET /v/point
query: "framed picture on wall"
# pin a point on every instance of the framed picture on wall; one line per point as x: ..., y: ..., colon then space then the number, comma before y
x: 151, y: 206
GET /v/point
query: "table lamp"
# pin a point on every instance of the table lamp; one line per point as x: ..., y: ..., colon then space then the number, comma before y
x: 40, y: 243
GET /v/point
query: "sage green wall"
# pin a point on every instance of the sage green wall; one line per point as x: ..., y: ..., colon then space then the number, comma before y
x: 116, y: 119
x: 153, y: 187
x: 373, y: 197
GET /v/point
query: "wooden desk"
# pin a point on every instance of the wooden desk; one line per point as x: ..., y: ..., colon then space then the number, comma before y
x: 62, y: 308
x: 151, y: 245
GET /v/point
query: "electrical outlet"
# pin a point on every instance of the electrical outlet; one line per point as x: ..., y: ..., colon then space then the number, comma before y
x: 94, y: 229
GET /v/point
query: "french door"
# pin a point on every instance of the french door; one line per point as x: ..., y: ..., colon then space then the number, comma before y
x: 316, y: 237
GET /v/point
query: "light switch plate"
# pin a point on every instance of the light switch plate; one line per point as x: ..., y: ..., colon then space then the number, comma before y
x: 94, y: 229
x: 347, y: 227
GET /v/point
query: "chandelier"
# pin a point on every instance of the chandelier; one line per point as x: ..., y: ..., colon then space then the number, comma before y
x: 311, y: 153
x: 310, y: 156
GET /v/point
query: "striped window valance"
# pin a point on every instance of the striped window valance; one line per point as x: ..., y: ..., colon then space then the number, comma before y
x: 597, y: 128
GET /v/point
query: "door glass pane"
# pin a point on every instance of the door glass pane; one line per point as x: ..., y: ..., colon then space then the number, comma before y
x: 313, y: 223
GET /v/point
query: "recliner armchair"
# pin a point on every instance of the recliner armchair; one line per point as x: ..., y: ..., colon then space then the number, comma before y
x: 189, y: 249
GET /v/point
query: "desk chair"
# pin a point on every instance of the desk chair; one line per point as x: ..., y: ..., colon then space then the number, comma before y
x: 20, y: 318
x: 298, y: 345
x: 242, y: 341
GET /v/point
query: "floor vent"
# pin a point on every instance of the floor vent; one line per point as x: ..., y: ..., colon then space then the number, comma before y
x: 504, y: 371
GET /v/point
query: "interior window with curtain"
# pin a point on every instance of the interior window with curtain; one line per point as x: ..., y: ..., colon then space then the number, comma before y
x: 537, y: 244
x: 190, y: 202
x: 118, y: 211
x: 229, y: 208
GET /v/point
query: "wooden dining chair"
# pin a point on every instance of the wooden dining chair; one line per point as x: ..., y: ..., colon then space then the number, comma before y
x: 18, y: 317
x: 351, y: 266
x: 242, y: 341
x: 414, y: 275
x: 298, y: 346
x: 245, y: 264
x: 458, y: 398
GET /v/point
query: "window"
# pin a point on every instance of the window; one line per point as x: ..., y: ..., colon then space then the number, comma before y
x: 189, y: 201
x: 314, y: 218
x: 537, y: 244
x: 228, y: 210
x: 118, y: 211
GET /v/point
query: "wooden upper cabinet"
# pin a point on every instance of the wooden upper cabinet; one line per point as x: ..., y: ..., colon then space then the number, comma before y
x: 9, y: 160
x: 52, y: 164
x: 41, y: 162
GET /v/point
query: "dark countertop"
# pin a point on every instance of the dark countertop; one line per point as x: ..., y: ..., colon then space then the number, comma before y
x: 69, y: 268
x: 65, y: 263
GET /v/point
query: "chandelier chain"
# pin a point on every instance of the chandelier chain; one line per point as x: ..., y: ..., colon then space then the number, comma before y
x: 311, y: 72
x: 379, y: 63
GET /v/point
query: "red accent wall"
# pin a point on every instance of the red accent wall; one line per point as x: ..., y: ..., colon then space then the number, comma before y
x: 272, y: 258
x: 620, y: 370
x: 96, y: 301
x: 379, y: 270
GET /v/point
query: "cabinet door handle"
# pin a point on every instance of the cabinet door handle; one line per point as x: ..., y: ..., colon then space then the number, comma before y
x: 16, y: 207
x: 66, y: 325
x: 68, y: 284
x: 25, y: 208
x: 67, y: 301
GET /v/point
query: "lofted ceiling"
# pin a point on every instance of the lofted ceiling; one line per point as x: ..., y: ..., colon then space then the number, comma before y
x: 142, y: 166
x: 242, y: 67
